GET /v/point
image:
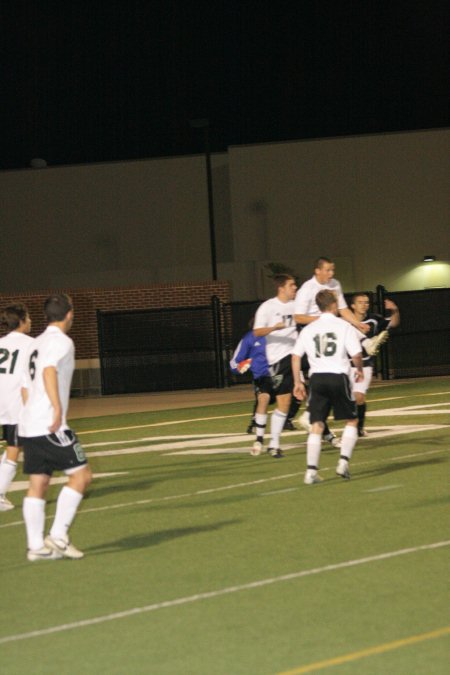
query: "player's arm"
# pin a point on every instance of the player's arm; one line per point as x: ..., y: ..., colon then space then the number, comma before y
x: 299, y: 388
x: 395, y: 314
x: 348, y: 315
x: 50, y: 377
x: 358, y: 363
x: 266, y: 330
x: 303, y: 319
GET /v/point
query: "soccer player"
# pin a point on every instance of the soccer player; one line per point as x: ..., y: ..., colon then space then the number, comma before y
x: 327, y: 342
x: 307, y: 311
x: 13, y: 352
x: 274, y: 320
x: 49, y: 445
x: 250, y: 354
x: 377, y: 323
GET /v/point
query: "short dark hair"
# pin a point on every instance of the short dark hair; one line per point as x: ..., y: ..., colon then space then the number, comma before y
x: 325, y: 299
x: 281, y: 279
x: 359, y: 295
x: 320, y: 262
x: 56, y: 307
x: 14, y: 315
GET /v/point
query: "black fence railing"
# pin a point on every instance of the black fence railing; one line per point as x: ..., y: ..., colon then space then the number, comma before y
x: 190, y: 347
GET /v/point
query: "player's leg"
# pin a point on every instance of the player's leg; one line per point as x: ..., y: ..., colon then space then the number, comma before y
x: 359, y: 391
x: 34, y: 517
x: 277, y: 423
x: 263, y: 399
x: 292, y: 412
x: 8, y: 464
x: 74, y: 464
x: 319, y: 408
x: 344, y: 407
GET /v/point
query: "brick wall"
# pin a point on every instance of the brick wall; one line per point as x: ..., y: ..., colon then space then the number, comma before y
x: 88, y: 301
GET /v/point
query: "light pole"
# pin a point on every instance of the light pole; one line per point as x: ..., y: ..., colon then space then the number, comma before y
x: 203, y: 123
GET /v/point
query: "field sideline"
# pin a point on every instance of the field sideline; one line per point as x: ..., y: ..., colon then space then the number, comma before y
x: 201, y: 559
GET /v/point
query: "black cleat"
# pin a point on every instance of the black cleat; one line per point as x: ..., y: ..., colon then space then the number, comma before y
x: 276, y: 453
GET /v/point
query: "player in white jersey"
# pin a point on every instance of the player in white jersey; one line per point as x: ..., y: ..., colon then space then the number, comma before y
x: 13, y: 353
x: 274, y: 320
x: 328, y: 342
x: 49, y: 445
x: 307, y: 311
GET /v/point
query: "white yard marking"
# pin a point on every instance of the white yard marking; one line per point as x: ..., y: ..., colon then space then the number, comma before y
x: 233, y: 486
x: 219, y: 592
x: 384, y: 488
x: 161, y: 438
x: 18, y: 485
x: 278, y: 492
x: 428, y: 409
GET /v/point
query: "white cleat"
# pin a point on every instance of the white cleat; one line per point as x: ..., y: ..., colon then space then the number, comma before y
x: 63, y: 547
x: 372, y: 345
x: 312, y: 477
x: 333, y: 440
x: 304, y: 421
x: 44, y: 553
x: 5, y: 504
x: 342, y: 469
x: 257, y: 449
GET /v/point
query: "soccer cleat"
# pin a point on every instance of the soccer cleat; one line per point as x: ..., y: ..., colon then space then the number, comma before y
x: 276, y: 453
x: 289, y: 426
x: 342, y: 469
x: 63, y: 547
x: 372, y: 345
x: 44, y: 553
x: 251, y: 429
x: 312, y: 477
x: 5, y: 504
x: 256, y: 448
x: 362, y: 433
x: 333, y: 439
x: 304, y: 421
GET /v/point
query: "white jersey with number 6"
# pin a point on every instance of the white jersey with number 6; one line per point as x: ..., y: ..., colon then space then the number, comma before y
x: 328, y: 342
x: 13, y: 360
x: 51, y: 348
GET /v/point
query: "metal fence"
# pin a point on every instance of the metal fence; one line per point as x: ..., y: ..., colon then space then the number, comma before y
x: 190, y: 347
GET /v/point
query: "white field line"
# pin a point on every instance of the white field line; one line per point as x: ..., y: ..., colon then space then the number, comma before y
x: 222, y: 417
x: 18, y: 485
x: 232, y: 486
x: 384, y: 488
x: 213, y: 445
x: 161, y: 438
x: 210, y: 595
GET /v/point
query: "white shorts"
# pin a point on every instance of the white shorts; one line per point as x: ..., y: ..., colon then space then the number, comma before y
x: 362, y: 387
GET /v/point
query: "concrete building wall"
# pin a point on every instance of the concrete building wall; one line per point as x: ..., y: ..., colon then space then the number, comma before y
x: 376, y: 204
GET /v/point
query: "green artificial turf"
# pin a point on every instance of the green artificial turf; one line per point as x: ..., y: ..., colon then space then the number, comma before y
x: 228, y: 564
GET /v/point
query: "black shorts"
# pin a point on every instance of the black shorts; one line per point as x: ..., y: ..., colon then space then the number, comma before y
x: 55, y: 452
x: 10, y: 435
x: 279, y: 382
x: 330, y: 391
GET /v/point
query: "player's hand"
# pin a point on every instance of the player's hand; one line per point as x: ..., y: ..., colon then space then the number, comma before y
x: 359, y: 376
x: 299, y: 391
x: 390, y: 305
x: 57, y: 421
x: 243, y: 366
x: 363, y: 327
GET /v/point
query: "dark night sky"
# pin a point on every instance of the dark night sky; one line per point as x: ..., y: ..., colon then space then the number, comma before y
x: 101, y: 81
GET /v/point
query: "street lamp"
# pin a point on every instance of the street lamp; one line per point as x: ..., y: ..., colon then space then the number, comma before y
x: 203, y: 123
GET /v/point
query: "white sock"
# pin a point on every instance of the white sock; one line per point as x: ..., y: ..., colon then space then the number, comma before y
x: 313, y: 446
x: 8, y: 470
x: 66, y: 508
x: 34, y: 516
x: 348, y: 440
x: 260, y: 423
x: 276, y: 427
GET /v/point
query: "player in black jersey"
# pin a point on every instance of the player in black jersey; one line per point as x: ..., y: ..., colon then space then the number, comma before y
x: 377, y: 323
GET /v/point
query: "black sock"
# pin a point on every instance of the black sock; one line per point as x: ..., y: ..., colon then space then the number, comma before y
x: 361, y: 411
